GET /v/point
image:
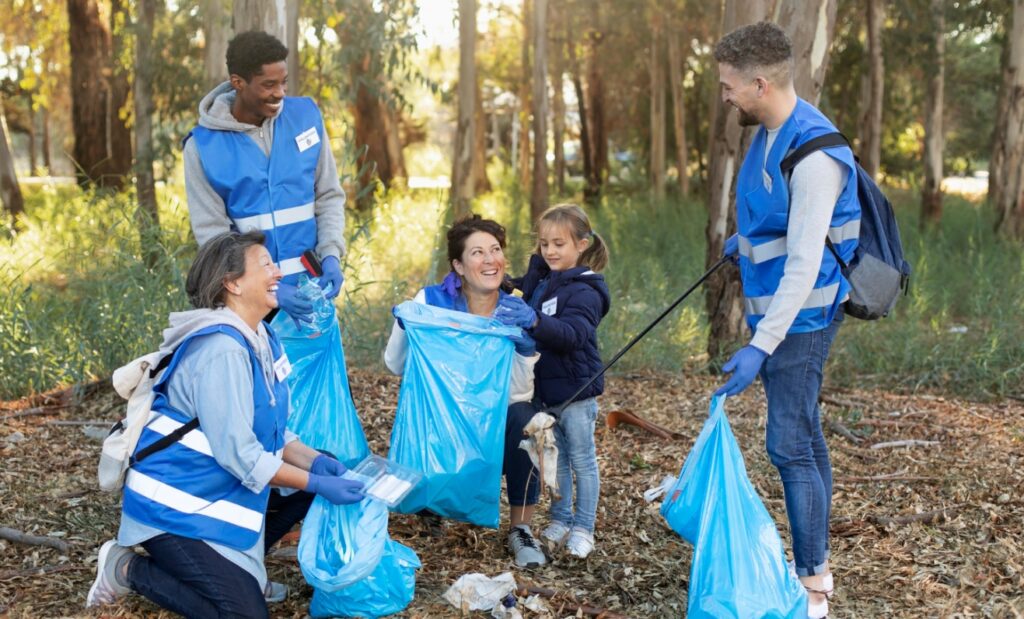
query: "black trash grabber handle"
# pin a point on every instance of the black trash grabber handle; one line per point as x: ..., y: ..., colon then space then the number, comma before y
x: 558, y: 411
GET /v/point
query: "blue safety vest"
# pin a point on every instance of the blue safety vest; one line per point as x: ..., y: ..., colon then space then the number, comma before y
x: 436, y: 296
x: 276, y: 195
x: 182, y: 489
x: 762, y: 216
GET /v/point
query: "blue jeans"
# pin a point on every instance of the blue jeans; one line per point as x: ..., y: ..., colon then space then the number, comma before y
x: 189, y: 577
x: 577, y: 457
x: 792, y: 377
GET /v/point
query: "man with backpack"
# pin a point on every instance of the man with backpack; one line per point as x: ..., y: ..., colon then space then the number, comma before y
x: 794, y: 287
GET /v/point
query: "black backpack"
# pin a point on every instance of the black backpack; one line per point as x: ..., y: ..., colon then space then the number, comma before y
x: 877, y: 272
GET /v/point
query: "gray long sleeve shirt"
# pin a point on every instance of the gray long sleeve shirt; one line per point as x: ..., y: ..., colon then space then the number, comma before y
x: 207, y: 210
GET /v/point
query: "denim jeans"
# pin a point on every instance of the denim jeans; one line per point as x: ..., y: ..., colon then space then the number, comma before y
x: 792, y: 377
x: 190, y: 578
x: 521, y: 482
x: 577, y: 458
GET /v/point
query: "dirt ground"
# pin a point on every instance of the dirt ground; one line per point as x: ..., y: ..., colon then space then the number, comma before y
x: 956, y: 549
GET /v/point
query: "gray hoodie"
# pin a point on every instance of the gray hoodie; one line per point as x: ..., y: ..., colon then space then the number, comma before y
x: 206, y: 208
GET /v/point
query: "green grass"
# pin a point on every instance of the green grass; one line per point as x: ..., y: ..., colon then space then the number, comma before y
x: 79, y: 301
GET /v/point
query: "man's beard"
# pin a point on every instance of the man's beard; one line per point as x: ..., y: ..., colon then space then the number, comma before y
x: 746, y: 119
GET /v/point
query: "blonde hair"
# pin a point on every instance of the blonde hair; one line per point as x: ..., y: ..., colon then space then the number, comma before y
x: 575, y: 219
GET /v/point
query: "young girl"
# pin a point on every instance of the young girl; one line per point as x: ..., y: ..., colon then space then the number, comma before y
x: 565, y: 301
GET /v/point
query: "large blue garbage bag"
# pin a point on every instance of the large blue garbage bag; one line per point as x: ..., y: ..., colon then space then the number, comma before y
x: 739, y: 566
x: 345, y: 552
x: 450, y: 422
x: 319, y: 390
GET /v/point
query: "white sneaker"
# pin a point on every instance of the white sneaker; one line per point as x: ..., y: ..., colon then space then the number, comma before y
x: 106, y: 588
x: 524, y: 547
x: 817, y: 611
x: 555, y: 533
x: 275, y: 592
x: 580, y: 543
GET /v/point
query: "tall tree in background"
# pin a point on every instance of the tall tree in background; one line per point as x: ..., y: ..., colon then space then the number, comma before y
x: 810, y: 25
x: 10, y: 191
x: 463, y: 182
x: 581, y: 104
x: 102, y: 151
x: 934, y: 142
x: 216, y: 33
x: 539, y: 193
x: 657, y: 91
x: 598, y: 131
x: 279, y: 18
x: 729, y: 141
x: 871, y: 120
x: 1006, y: 168
x: 675, y: 78
x: 557, y: 54
x: 523, y: 162
x: 147, y: 214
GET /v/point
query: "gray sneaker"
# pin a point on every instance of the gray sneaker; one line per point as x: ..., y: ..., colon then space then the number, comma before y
x: 524, y: 547
x: 107, y: 587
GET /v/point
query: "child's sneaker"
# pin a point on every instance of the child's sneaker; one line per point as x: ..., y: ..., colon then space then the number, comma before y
x: 524, y: 547
x: 107, y: 587
x: 580, y: 543
x: 555, y: 534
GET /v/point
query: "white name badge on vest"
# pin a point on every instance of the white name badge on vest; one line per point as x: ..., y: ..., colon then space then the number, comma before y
x: 550, y: 306
x: 307, y: 139
x: 282, y: 367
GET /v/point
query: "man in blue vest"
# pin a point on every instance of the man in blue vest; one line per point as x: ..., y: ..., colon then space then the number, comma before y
x: 793, y: 288
x: 261, y: 160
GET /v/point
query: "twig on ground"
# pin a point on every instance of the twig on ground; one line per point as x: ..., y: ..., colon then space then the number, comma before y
x: 41, y: 571
x: 566, y: 605
x: 910, y: 442
x: 38, y: 410
x: 840, y: 402
x: 923, y: 517
x: 76, y: 422
x: 19, y: 537
x: 843, y: 431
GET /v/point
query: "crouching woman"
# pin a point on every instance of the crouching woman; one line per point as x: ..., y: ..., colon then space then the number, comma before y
x: 202, y: 507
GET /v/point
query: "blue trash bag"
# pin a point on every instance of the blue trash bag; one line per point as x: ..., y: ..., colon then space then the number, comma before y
x: 739, y: 566
x: 356, y: 569
x: 452, y: 406
x: 323, y: 414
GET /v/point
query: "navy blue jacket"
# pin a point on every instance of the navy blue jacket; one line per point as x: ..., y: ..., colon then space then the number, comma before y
x: 566, y: 333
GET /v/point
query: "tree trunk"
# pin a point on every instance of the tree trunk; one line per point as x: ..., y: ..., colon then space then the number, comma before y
x: 371, y: 135
x: 539, y: 194
x: 675, y: 78
x: 32, y: 156
x: 810, y: 25
x: 728, y: 145
x: 463, y: 182
x: 581, y: 102
x: 934, y: 141
x: 523, y: 164
x: 147, y: 215
x: 279, y: 18
x: 216, y: 33
x: 1007, y: 196
x: 871, y: 125
x: 10, y: 191
x: 657, y: 172
x: 102, y: 151
x: 482, y: 183
x: 46, y: 141
x: 393, y: 139
x: 595, y: 110
x: 557, y: 96
x: 119, y: 136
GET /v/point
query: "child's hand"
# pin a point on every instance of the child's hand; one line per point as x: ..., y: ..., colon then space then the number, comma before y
x: 514, y: 311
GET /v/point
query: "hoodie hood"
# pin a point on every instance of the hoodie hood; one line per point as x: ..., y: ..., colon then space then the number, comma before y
x: 184, y: 324
x: 215, y: 110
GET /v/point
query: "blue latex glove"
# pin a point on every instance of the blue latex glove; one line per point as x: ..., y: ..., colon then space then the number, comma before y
x: 326, y: 465
x: 292, y: 303
x: 525, y: 345
x: 744, y: 366
x: 332, y: 279
x: 514, y: 311
x: 732, y: 247
x: 337, y: 490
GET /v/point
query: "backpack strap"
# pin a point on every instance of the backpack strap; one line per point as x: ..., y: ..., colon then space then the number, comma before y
x: 164, y: 442
x: 821, y: 142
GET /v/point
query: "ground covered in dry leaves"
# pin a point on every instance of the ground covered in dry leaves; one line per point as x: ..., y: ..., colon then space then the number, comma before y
x: 956, y: 548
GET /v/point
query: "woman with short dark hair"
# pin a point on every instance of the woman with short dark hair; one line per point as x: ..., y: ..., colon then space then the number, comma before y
x: 476, y: 255
x: 199, y: 506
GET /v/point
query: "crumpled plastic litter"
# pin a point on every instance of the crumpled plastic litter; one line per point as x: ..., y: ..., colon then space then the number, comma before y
x: 540, y: 444
x: 652, y: 494
x: 480, y: 592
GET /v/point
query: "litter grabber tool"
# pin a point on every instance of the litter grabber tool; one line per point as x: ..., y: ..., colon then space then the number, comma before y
x: 540, y: 442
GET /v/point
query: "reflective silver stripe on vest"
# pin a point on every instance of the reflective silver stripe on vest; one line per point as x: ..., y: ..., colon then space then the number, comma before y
x: 819, y: 297
x: 776, y: 248
x: 194, y: 440
x: 183, y: 502
x: 291, y: 266
x: 268, y: 221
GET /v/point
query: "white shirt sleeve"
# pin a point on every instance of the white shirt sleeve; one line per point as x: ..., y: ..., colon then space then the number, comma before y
x: 398, y: 346
x: 815, y: 186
